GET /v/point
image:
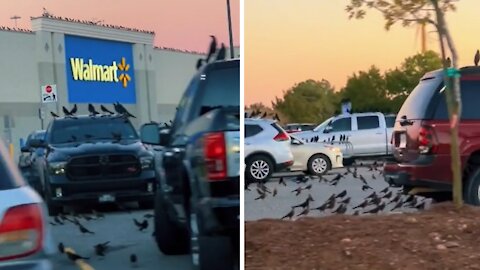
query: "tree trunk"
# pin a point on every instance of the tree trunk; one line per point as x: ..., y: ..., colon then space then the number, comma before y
x: 453, y: 99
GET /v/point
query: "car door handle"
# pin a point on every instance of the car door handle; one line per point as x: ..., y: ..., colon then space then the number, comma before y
x: 379, y: 133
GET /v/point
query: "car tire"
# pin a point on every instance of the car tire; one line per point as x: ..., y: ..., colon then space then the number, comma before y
x: 471, y: 190
x: 318, y: 164
x: 259, y: 168
x: 348, y: 161
x: 171, y: 239
x: 209, y: 252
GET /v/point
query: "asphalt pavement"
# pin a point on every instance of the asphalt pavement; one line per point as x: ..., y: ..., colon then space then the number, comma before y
x: 275, y: 207
x: 125, y: 239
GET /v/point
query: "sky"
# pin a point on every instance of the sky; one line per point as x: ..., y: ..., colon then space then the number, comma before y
x: 289, y: 41
x: 179, y: 24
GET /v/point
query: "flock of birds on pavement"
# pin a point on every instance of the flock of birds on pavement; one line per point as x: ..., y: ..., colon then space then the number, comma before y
x: 99, y: 249
x: 340, y: 203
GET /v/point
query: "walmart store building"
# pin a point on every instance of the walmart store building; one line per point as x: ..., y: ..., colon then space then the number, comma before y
x: 87, y: 63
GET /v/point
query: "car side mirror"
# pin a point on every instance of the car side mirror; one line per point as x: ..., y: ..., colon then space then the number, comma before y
x: 25, y: 149
x: 152, y: 134
x: 37, y: 143
x: 328, y: 129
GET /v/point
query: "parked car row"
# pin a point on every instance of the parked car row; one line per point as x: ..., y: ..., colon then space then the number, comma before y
x: 269, y: 149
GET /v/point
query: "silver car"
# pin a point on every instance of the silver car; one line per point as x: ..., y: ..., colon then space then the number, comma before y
x: 25, y: 241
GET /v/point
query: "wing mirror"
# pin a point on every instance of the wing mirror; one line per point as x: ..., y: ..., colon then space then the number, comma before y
x: 328, y: 129
x: 37, y: 143
x: 152, y: 134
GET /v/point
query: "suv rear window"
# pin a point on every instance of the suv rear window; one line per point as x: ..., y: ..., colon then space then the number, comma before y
x: 222, y: 88
x: 8, y: 178
x: 416, y: 105
x: 470, y: 92
x: 390, y: 121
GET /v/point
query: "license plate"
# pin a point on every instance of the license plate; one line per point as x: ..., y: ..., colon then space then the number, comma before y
x: 106, y: 198
x: 403, y: 140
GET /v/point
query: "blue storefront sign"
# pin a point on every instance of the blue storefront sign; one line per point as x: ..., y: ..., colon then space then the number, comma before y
x: 99, y: 71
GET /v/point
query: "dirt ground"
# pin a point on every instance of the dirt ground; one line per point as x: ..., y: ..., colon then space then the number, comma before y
x: 440, y: 238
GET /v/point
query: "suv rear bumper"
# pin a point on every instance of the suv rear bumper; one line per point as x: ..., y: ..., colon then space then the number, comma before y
x: 411, y: 175
x: 219, y: 214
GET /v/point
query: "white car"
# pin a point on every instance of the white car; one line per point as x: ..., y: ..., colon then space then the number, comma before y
x: 267, y: 149
x: 315, y: 158
x: 25, y: 241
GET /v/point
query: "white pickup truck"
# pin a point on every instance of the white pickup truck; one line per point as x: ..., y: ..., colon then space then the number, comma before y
x: 366, y: 134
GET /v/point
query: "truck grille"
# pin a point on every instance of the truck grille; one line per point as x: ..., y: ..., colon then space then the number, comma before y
x: 103, y: 167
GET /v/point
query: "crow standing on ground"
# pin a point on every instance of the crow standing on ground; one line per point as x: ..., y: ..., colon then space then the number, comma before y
x: 141, y: 225
x: 101, y: 248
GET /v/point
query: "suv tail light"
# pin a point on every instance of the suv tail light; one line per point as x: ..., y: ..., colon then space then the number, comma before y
x: 215, y: 156
x: 21, y: 231
x: 281, y: 136
x: 426, y: 143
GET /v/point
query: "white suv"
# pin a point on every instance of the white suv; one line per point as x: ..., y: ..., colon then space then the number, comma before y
x: 267, y: 149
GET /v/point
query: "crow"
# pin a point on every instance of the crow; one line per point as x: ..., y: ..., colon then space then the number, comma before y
x: 74, y: 257
x: 74, y: 109
x: 274, y: 192
x: 341, y: 209
x: 212, y: 49
x: 66, y: 112
x: 341, y: 194
x: 366, y: 187
x: 362, y: 205
x: 346, y: 200
x: 199, y: 63
x: 308, y: 187
x: 92, y: 110
x: 122, y: 110
x: 105, y: 110
x: 305, y: 204
x: 54, y: 115
x: 304, y: 212
x: 133, y: 259
x: 221, y: 53
x: 141, y: 226
x: 101, y: 248
x: 384, y: 190
x: 57, y: 220
x: 83, y: 230
x: 61, y: 247
x: 289, y: 215
x: 298, y: 191
x: 477, y: 58
x: 281, y: 181
x: 261, y: 197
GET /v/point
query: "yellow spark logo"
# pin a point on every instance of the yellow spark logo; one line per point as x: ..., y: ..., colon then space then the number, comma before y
x: 124, y: 77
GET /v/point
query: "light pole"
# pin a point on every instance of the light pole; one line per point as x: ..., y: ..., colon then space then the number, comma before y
x: 15, y: 18
x: 230, y: 29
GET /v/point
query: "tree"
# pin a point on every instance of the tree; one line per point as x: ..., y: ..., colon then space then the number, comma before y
x: 308, y: 101
x: 407, y: 12
x: 366, y: 91
x: 401, y: 81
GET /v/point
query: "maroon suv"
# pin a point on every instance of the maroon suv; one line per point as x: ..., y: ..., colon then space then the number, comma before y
x: 421, y: 137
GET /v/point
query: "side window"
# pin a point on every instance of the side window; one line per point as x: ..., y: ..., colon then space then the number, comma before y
x: 390, y: 121
x: 181, y: 113
x: 470, y: 92
x: 342, y: 124
x: 252, y: 130
x: 368, y: 122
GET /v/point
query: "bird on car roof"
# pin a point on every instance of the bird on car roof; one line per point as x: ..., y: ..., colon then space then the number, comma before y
x: 212, y: 49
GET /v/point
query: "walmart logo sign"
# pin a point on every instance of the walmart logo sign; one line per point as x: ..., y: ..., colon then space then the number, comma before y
x: 99, y: 71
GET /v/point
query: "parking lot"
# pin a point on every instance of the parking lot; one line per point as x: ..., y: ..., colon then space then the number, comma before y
x: 278, y: 206
x: 118, y: 227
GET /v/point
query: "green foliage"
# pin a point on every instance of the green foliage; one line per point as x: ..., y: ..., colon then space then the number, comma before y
x: 404, y: 12
x: 308, y: 101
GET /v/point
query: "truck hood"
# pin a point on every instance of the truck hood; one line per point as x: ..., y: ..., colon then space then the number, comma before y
x: 65, y: 151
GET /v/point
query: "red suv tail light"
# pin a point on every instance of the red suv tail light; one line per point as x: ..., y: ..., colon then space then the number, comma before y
x: 215, y: 156
x: 21, y: 232
x: 281, y: 136
x: 426, y: 143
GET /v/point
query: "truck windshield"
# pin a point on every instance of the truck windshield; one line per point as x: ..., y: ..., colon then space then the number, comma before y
x: 323, y: 125
x: 91, y: 129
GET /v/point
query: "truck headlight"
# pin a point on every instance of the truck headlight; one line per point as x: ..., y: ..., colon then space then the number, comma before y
x: 57, y: 168
x: 146, y: 163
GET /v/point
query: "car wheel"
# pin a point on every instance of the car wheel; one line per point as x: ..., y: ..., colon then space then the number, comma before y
x: 171, y: 239
x: 209, y: 252
x: 259, y: 168
x: 472, y: 188
x: 319, y: 164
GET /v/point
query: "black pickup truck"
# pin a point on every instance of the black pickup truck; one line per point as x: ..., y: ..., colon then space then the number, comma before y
x: 197, y: 204
x: 94, y: 159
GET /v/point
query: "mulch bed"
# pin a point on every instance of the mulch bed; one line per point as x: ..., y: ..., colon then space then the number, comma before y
x: 439, y: 238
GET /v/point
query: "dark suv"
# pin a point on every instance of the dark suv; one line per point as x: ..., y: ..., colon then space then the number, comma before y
x: 421, y: 137
x: 197, y: 204
x: 95, y: 159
